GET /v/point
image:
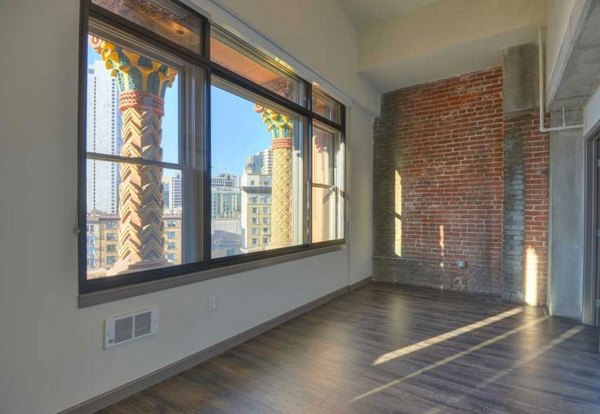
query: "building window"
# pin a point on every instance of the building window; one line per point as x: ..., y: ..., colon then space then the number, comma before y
x: 144, y: 147
x: 327, y: 179
x: 326, y: 106
x: 228, y: 51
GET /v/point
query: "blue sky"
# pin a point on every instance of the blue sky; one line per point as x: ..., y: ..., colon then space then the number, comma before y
x: 237, y: 130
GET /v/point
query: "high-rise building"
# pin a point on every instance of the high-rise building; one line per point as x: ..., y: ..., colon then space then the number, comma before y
x: 103, y: 240
x: 256, y: 205
x: 166, y: 187
x: 267, y: 162
x: 175, y: 192
x: 225, y: 180
x: 172, y: 237
x: 226, y: 200
x: 225, y: 196
x: 103, y: 136
x: 102, y: 243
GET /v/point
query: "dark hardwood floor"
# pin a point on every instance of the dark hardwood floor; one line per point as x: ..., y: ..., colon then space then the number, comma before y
x: 391, y: 349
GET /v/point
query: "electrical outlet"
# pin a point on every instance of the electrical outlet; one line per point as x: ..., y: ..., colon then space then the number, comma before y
x: 461, y: 264
x: 212, y: 303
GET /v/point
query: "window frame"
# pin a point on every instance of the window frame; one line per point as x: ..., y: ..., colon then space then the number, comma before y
x: 202, y: 62
x: 338, y: 183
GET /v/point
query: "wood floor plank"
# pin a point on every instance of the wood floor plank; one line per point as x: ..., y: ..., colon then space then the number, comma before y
x: 395, y: 349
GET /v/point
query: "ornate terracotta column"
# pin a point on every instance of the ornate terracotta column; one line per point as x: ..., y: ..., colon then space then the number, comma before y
x: 281, y: 128
x: 142, y: 84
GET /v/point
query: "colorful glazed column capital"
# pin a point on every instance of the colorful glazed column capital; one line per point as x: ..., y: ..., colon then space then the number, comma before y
x: 142, y: 81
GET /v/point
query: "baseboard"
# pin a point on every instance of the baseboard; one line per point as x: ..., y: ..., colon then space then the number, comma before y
x: 140, y: 384
x: 360, y: 283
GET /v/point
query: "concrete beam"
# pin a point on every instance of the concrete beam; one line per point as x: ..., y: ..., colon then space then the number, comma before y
x: 520, y: 78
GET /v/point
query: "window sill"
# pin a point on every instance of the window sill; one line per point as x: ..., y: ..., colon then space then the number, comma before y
x: 111, y: 295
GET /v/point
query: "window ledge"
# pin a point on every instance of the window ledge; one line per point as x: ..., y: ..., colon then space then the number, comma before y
x: 111, y: 295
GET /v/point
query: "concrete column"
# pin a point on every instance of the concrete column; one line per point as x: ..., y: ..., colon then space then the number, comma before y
x: 520, y: 100
x: 567, y: 220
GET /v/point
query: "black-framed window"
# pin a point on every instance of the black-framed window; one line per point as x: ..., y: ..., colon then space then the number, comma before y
x: 196, y: 150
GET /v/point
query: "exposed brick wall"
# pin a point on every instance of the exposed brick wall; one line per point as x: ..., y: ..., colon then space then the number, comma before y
x: 536, y: 154
x: 445, y: 142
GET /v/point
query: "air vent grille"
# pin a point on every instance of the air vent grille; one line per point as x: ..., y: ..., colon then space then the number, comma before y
x: 125, y: 328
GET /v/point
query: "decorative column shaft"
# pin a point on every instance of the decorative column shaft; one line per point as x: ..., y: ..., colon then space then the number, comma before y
x: 281, y: 128
x: 142, y: 84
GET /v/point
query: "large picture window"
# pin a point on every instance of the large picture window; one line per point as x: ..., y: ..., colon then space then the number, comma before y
x: 189, y: 163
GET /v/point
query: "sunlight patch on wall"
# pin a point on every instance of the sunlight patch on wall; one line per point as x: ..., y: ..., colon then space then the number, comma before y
x: 398, y: 215
x: 531, y: 272
x: 442, y: 245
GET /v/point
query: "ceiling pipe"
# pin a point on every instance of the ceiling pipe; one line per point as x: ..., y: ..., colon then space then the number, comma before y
x: 542, y: 88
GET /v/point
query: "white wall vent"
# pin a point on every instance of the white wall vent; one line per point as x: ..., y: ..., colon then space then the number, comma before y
x: 125, y: 328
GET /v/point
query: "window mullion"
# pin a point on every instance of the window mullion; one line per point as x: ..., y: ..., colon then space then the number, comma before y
x: 131, y: 160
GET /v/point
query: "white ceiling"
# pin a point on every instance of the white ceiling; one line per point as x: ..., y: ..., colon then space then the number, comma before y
x: 407, y: 42
x: 369, y: 11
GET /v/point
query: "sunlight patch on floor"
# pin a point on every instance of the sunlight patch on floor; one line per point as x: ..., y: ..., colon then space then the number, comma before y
x: 446, y: 336
x: 450, y: 358
x: 556, y: 341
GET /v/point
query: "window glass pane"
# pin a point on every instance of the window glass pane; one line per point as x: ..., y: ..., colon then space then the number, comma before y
x: 164, y: 18
x: 325, y: 106
x: 323, y: 157
x: 257, y: 181
x: 327, y: 177
x: 238, y: 58
x: 134, y: 218
x: 132, y: 110
x: 323, y: 214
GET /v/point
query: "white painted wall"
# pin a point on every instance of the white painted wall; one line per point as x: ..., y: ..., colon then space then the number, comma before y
x: 360, y: 158
x: 51, y: 354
